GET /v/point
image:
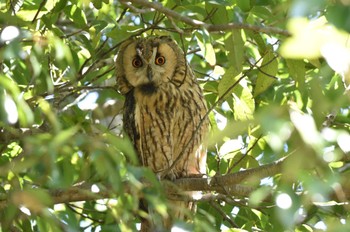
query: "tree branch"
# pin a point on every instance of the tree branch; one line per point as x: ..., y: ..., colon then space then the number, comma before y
x: 227, y: 185
x: 199, y: 24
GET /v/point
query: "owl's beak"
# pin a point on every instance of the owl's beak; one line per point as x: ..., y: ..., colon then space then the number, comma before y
x: 149, y: 73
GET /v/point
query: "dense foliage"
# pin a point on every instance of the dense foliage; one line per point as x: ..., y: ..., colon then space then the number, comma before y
x: 274, y: 74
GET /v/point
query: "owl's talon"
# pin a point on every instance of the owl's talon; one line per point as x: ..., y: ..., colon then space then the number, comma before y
x: 159, y: 176
x: 168, y: 175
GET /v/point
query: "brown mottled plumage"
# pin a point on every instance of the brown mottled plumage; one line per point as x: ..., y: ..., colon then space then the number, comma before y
x: 163, y: 107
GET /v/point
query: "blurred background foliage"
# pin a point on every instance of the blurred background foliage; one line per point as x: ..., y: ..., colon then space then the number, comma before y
x: 275, y: 88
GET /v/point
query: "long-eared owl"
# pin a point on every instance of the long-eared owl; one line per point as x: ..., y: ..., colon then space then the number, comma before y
x: 164, y: 110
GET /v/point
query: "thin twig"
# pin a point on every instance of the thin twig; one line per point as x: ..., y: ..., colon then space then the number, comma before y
x: 42, y: 4
x: 72, y: 207
x: 223, y: 214
x: 122, y: 15
x: 245, y: 154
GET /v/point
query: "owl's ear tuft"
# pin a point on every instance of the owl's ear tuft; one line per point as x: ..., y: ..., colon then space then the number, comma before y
x: 166, y: 38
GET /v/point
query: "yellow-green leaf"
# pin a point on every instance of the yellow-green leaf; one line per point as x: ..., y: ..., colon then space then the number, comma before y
x: 243, y: 101
x: 243, y: 104
x: 206, y: 48
x: 267, y: 73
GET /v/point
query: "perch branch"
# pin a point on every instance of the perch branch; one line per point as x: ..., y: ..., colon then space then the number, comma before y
x: 226, y: 185
x: 199, y: 24
x: 229, y: 182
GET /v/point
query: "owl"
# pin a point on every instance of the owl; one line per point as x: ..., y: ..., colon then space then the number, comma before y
x: 164, y: 109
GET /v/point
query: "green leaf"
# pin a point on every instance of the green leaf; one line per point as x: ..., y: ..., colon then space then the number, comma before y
x: 64, y: 136
x: 261, y: 12
x: 206, y: 47
x: 45, y: 224
x: 46, y: 109
x: 220, y: 16
x: 339, y: 15
x: 243, y: 104
x: 122, y: 32
x: 258, y: 39
x: 267, y: 73
x: 258, y: 196
x: 60, y: 5
x: 25, y: 114
x: 3, y: 113
x: 235, y: 48
x: 97, y: 4
x: 76, y: 15
x: 297, y: 71
x: 245, y: 5
x: 229, y: 79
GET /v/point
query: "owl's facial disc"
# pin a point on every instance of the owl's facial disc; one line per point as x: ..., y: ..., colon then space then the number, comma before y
x: 148, y: 63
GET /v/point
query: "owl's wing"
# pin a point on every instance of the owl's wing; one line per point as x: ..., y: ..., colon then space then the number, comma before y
x: 129, y: 118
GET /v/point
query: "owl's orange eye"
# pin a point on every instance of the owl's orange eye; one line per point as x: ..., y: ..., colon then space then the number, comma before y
x: 137, y: 62
x: 160, y: 60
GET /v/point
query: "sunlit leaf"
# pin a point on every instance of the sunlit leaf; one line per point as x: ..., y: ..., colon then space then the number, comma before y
x: 244, y: 104
x: 310, y: 37
x: 25, y: 114
x: 267, y: 73
x: 206, y: 48
x: 76, y: 15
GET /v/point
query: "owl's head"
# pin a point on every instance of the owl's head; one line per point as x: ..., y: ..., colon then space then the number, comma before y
x: 148, y: 63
